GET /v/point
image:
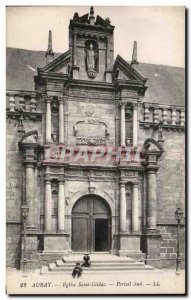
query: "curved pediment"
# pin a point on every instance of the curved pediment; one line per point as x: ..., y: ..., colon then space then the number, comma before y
x: 31, y: 137
x: 152, y: 145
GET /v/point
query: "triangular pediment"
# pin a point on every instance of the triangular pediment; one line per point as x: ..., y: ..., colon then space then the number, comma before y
x: 124, y: 71
x: 60, y: 64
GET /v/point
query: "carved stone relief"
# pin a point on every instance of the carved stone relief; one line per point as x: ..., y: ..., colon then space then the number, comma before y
x: 130, y: 94
x: 97, y: 133
x: 91, y: 94
x: 99, y: 173
x: 54, y: 86
x: 54, y: 170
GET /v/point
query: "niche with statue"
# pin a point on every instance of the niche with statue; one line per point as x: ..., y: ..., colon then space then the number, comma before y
x: 91, y: 58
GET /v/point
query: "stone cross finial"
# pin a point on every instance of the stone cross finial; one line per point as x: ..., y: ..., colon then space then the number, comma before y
x: 134, y: 61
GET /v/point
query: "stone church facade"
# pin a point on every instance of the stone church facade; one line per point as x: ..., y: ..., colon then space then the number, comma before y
x: 85, y: 100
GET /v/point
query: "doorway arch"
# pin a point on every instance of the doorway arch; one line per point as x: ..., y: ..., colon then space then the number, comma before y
x: 91, y: 225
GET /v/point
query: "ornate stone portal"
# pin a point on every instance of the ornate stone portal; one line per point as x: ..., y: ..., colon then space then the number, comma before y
x: 74, y: 104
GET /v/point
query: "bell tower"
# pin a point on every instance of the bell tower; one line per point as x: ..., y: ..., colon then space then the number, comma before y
x: 91, y: 45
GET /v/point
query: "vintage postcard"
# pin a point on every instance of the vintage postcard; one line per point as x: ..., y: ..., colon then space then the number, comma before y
x: 95, y: 133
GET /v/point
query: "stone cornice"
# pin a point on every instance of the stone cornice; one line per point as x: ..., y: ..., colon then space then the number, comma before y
x: 135, y: 84
x: 167, y: 127
x: 21, y: 93
x: 35, y: 116
x: 131, y: 167
x: 93, y: 166
x: 92, y: 84
x: 52, y: 75
x: 95, y: 28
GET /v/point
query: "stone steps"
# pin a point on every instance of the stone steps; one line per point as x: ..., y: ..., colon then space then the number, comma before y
x: 60, y: 263
x: 109, y: 263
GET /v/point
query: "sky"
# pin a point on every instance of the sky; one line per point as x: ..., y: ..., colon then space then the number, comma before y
x: 159, y: 31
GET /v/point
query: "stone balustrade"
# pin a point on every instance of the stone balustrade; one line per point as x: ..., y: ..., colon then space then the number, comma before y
x: 19, y: 99
x: 170, y: 115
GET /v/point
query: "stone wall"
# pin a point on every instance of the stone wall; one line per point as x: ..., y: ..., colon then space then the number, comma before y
x: 170, y: 194
x: 15, y: 189
x: 13, y: 247
x: 171, y: 174
x: 168, y: 249
x: 167, y: 252
x: 171, y: 177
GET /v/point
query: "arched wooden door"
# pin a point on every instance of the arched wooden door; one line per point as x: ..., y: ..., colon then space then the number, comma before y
x: 91, y: 225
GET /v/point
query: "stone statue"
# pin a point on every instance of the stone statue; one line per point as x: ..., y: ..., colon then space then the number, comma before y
x: 90, y: 58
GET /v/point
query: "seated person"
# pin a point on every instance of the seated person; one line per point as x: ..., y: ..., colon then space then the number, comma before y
x: 86, y: 262
x: 77, y: 271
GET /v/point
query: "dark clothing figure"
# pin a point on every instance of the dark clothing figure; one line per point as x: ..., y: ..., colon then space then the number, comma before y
x: 77, y: 271
x: 87, y: 262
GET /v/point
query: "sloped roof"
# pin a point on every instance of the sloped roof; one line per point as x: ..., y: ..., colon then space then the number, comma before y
x: 21, y: 67
x: 166, y: 84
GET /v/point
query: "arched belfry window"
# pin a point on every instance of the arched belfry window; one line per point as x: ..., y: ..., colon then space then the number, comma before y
x: 91, y: 58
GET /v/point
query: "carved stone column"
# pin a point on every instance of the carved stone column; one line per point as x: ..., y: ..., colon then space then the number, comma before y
x: 146, y: 113
x: 61, y: 120
x: 61, y: 206
x: 153, y: 151
x: 164, y: 115
x: 151, y: 200
x: 75, y: 68
x: 122, y: 207
x: 182, y: 118
x: 30, y: 199
x: 108, y: 53
x: 108, y: 72
x: 135, y: 208
x: 75, y: 47
x: 33, y: 104
x: 122, y: 106
x: 48, y: 120
x: 11, y: 103
x: 22, y: 102
x: 135, y: 124
x: 173, y: 117
x: 156, y: 115
x: 48, y: 206
x: 29, y: 144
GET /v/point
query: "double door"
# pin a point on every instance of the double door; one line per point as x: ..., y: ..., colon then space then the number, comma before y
x: 91, y: 229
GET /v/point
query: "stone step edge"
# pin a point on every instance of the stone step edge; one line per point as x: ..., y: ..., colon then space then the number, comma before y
x: 60, y: 263
x: 100, y: 262
x: 101, y: 269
